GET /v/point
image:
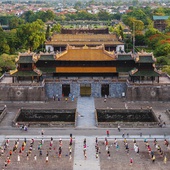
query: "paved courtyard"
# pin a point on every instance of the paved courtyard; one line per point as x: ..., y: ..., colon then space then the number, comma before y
x: 119, y: 159
x: 28, y: 162
x: 86, y: 129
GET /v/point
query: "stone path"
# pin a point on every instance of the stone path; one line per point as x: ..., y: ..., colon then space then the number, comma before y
x: 86, y: 108
x: 91, y: 162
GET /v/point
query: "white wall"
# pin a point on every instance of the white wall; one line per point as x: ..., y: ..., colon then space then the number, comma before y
x: 122, y: 47
x: 49, y: 48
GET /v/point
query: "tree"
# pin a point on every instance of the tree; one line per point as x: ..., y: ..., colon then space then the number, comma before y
x: 159, y: 11
x: 32, y: 35
x: 151, y: 31
x: 7, y: 62
x: 77, y: 5
x: 14, y: 22
x: 166, y: 69
x: 168, y: 25
x: 47, y: 35
x: 49, y: 15
x: 118, y: 30
x: 56, y: 28
x: 134, y: 24
x: 162, y: 50
x: 162, y: 60
x: 103, y: 15
x: 4, y: 47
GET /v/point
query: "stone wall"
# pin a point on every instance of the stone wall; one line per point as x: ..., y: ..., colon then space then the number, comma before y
x: 117, y: 89
x: 10, y: 92
x: 148, y: 92
x: 55, y: 88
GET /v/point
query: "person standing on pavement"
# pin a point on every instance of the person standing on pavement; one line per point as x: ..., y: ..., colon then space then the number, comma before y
x: 118, y: 127
x: 59, y: 151
x: 165, y: 159
x: 42, y: 132
x: 107, y: 132
x: 46, y: 159
x: 35, y: 158
x: 18, y: 159
x: 131, y: 161
x: 70, y: 151
x: 84, y: 148
x: 153, y: 158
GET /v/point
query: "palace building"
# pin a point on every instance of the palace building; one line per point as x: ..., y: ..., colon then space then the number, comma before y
x: 86, y: 64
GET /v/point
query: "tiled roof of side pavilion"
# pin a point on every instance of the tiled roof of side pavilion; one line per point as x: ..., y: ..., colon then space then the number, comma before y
x: 124, y: 56
x: 149, y: 73
x: 144, y: 57
x: 26, y: 58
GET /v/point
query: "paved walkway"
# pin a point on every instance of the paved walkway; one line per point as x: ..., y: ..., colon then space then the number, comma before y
x: 86, y: 108
x: 91, y: 162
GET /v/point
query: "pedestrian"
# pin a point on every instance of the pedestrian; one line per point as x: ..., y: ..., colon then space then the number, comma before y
x: 51, y: 144
x: 46, y: 159
x: 66, y: 99
x: 10, y: 152
x: 40, y: 152
x: 27, y: 156
x: 18, y: 159
x: 70, y: 151
x: 97, y: 151
x: 107, y: 132
x: 8, y: 160
x: 155, y: 142
x: 59, y: 151
x: 85, y: 156
x: 117, y: 147
x: 153, y: 158
x: 131, y: 161
x: 96, y: 140
x: 118, y: 128
x: 71, y: 140
x: 115, y: 141
x: 60, y: 143
x: 35, y: 158
x: 42, y: 132
x: 54, y: 97
x: 84, y: 141
x: 166, y: 143
x: 165, y: 159
x: 108, y: 154
x: 5, y: 163
x: 123, y: 135
x: 84, y: 149
x: 134, y: 140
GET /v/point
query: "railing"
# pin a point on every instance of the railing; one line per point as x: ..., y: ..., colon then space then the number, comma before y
x: 2, y: 77
x: 147, y: 83
x: 41, y: 84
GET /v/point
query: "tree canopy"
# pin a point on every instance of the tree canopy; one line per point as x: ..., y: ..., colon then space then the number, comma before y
x: 32, y: 35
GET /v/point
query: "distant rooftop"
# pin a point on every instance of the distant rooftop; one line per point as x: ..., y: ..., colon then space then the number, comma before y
x: 160, y: 17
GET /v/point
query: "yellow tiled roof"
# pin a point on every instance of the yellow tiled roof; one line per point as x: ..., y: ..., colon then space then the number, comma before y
x: 85, y: 69
x: 77, y: 39
x: 84, y: 54
x: 80, y: 37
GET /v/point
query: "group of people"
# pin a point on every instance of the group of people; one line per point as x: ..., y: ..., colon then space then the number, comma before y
x: 27, y: 149
x: 158, y: 148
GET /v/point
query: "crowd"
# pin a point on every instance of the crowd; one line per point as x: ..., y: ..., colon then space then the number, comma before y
x: 32, y: 150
